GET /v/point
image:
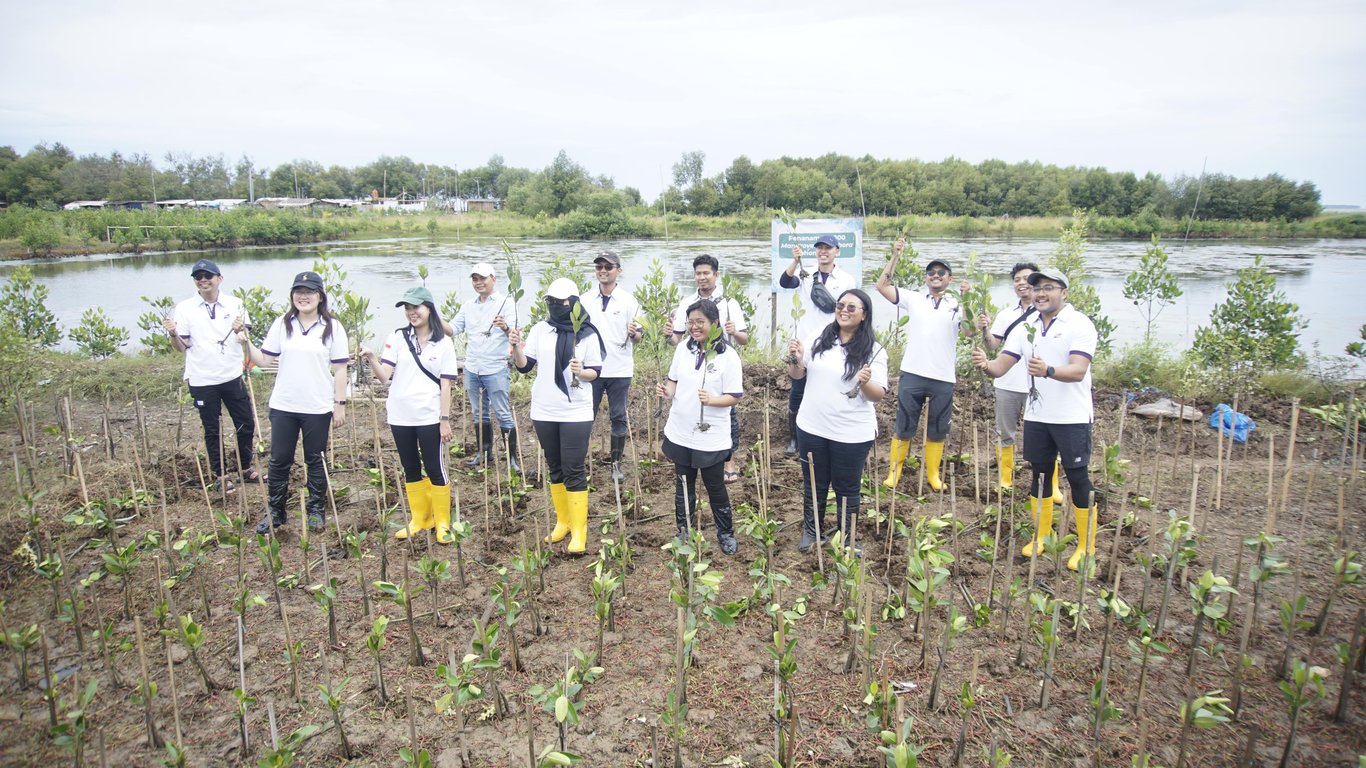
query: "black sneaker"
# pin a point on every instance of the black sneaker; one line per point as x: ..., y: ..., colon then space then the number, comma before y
x: 728, y: 543
x: 264, y: 526
x: 316, y: 521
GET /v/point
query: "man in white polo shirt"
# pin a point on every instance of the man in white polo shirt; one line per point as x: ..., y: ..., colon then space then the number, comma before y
x: 818, y: 291
x: 927, y: 365
x: 485, y: 322
x: 202, y: 328
x: 613, y: 310
x: 1058, y: 416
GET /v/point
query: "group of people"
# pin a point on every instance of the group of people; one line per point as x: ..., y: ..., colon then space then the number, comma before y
x: 583, y: 350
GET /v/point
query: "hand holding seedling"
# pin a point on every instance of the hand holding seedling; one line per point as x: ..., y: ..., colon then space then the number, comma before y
x: 237, y: 325
x: 575, y: 367
x: 979, y: 359
x: 514, y: 337
x: 1037, y: 367
x: 730, y: 327
x: 794, y: 352
x: 704, y: 397
x: 168, y: 323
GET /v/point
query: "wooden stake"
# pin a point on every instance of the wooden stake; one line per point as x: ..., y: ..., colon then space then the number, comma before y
x: 1290, y: 455
x: 153, y: 738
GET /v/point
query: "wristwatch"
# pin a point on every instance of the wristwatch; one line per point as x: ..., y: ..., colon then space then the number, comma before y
x: 445, y: 418
x: 1048, y: 374
x: 339, y: 402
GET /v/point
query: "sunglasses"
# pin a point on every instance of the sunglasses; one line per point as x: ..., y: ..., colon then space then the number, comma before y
x: 603, y: 267
x: 937, y: 272
x: 850, y: 308
x: 202, y: 276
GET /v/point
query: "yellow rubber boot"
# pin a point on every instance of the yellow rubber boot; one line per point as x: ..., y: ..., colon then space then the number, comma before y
x: 934, y: 452
x: 1043, y: 524
x: 1086, y: 536
x: 1005, y: 464
x: 419, y: 508
x: 1057, y: 470
x: 900, y: 450
x: 557, y: 500
x: 441, y: 512
x: 577, y: 502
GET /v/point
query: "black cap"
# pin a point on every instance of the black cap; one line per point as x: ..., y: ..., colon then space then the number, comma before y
x: 941, y: 263
x: 204, y: 265
x: 610, y: 257
x: 310, y: 280
x: 829, y: 240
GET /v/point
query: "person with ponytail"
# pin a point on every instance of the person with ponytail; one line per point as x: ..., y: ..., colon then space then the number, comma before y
x: 307, y: 348
x: 845, y: 371
x: 419, y: 363
x: 704, y: 384
x: 561, y: 408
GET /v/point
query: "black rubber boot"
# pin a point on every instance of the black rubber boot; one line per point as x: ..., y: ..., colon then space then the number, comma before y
x: 510, y: 438
x: 485, y: 452
x: 277, y: 501
x: 725, y: 533
x: 316, y: 505
x: 618, y: 445
x: 809, y: 526
x: 791, y: 449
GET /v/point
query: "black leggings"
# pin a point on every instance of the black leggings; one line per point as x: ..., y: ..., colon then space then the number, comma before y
x: 209, y: 400
x: 426, y: 441
x: 714, y: 478
x: 285, y: 428
x: 565, y: 444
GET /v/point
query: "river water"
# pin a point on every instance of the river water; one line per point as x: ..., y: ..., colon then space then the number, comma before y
x: 1322, y: 276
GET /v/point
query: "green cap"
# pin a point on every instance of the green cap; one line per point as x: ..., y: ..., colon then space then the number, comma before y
x: 415, y: 295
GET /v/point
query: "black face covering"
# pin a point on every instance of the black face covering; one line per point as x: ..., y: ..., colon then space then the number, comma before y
x: 560, y: 318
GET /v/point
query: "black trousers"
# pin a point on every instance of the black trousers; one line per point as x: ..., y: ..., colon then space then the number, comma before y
x: 565, y: 444
x: 209, y: 400
x: 618, y: 390
x: 835, y: 463
x: 714, y: 478
x: 285, y: 429
x: 418, y: 448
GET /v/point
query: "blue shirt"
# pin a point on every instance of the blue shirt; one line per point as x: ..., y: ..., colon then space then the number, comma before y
x: 486, y: 348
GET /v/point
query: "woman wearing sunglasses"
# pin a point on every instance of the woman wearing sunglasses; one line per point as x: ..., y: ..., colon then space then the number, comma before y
x: 561, y: 407
x: 845, y: 371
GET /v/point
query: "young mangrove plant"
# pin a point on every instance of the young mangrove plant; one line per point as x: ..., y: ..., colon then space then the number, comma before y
x: 1144, y: 650
x: 354, y: 544
x: 564, y: 698
x: 604, y: 586
x: 193, y: 637
x: 954, y: 627
x: 325, y: 595
x: 1204, y: 712
x: 485, y: 644
x: 504, y: 593
x: 403, y: 595
x: 433, y: 572
x: 269, y: 549
x: 1205, y: 604
x: 1346, y: 574
x: 694, y: 592
x: 897, y: 749
x: 1304, y: 686
x: 926, y: 571
x: 783, y: 651
x: 331, y: 696
x: 374, y: 642
x: 122, y: 564
x: 1180, y: 550
x: 70, y: 733
x: 285, y: 753
x: 462, y: 680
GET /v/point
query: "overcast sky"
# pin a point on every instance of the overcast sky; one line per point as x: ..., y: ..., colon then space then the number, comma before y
x: 625, y: 88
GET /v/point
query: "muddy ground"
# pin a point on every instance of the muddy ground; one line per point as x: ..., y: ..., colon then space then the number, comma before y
x: 730, y: 686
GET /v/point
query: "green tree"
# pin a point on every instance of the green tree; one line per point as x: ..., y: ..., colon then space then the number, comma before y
x: 23, y: 305
x: 1152, y: 287
x: 154, y: 336
x: 1358, y: 348
x: 1255, y: 327
x: 1069, y: 258
x: 97, y: 336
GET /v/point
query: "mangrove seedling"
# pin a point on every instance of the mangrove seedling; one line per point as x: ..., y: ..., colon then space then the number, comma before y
x: 283, y: 756
x: 419, y: 759
x: 354, y: 543
x: 374, y: 642
x: 1204, y: 712
x: 505, y: 592
x: 121, y: 564
x: 1346, y: 573
x: 70, y: 733
x: 604, y: 586
x: 193, y: 637
x: 954, y: 627
x: 268, y: 548
x: 331, y: 695
x: 325, y: 595
x: 564, y: 698
x: 1304, y: 686
x: 433, y: 572
x: 1147, y: 648
x: 1205, y: 604
x: 403, y: 595
x: 462, y: 680
x: 898, y: 750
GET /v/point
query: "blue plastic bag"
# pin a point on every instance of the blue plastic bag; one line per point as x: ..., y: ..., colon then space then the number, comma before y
x: 1234, y: 425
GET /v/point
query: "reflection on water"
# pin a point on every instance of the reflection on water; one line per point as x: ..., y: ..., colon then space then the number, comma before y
x: 1321, y: 275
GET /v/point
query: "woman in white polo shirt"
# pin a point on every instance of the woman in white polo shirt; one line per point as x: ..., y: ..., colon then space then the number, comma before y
x: 419, y: 364
x: 704, y: 384
x: 561, y: 408
x: 307, y: 347
x: 846, y: 375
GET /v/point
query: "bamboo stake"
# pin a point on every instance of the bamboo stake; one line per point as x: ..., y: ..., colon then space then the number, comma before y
x: 175, y: 701
x: 153, y: 738
x: 815, y: 514
x: 976, y: 472
x: 1290, y: 455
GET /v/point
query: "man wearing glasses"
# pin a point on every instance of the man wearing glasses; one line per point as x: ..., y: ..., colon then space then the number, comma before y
x: 818, y: 291
x: 202, y: 327
x: 927, y: 365
x: 613, y: 311
x: 1057, y: 420
x: 485, y: 322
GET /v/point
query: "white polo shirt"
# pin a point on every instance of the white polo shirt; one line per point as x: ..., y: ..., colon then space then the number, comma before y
x: 826, y: 411
x: 931, y: 335
x: 1070, y: 333
x: 1017, y: 378
x: 201, y: 327
x: 813, y: 320
x: 611, y: 315
x: 303, y: 379
x: 728, y: 309
x: 486, y: 348
x: 721, y: 375
x: 548, y: 403
x: 414, y: 399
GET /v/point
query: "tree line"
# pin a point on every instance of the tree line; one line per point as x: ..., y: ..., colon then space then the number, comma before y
x: 51, y: 175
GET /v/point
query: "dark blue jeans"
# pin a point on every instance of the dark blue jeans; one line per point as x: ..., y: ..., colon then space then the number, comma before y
x: 835, y: 463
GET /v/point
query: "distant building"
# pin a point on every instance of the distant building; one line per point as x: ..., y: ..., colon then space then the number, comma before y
x: 482, y: 204
x: 286, y: 202
x: 77, y: 205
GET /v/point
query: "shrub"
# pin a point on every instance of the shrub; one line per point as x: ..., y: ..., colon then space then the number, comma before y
x: 23, y: 306
x: 97, y: 336
x: 1255, y: 328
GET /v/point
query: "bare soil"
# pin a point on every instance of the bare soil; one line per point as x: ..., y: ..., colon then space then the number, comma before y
x: 730, y: 686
